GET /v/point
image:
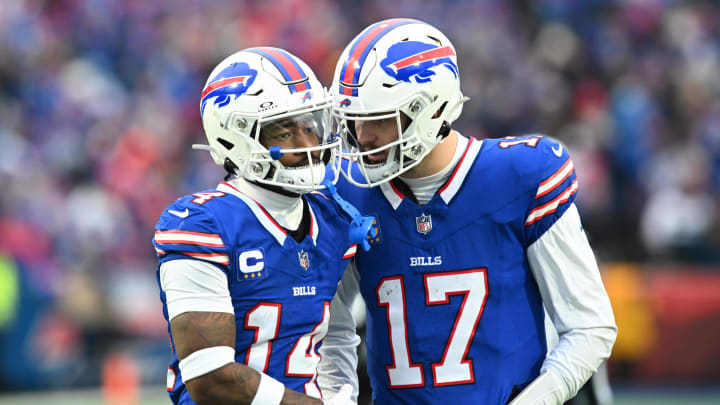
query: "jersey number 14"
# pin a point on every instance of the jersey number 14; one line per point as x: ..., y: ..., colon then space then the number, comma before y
x: 303, y: 357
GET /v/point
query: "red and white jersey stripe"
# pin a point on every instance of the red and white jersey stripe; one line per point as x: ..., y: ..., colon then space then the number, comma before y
x: 555, y: 179
x: 352, y: 250
x: 180, y: 237
x: 552, y: 205
x: 220, y: 258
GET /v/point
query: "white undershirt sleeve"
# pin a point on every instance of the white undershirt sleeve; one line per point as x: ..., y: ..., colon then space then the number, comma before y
x: 568, y: 277
x: 194, y: 285
x: 339, y: 357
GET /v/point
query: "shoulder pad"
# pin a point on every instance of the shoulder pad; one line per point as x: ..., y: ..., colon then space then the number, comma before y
x: 188, y: 227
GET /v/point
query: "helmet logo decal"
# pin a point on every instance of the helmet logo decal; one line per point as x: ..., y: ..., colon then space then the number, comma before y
x: 268, y: 105
x: 361, y: 48
x: 307, y: 96
x: 231, y: 82
x: 416, y: 60
x: 345, y: 103
x: 288, y: 67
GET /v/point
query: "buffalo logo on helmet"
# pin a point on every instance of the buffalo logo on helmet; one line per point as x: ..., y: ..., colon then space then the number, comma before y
x: 408, y: 60
x: 307, y: 96
x: 231, y: 82
x: 345, y: 102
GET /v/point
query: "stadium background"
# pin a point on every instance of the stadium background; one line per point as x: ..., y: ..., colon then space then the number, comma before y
x: 99, y: 107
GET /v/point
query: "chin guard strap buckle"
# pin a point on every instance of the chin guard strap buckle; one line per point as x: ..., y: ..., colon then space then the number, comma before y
x: 361, y: 226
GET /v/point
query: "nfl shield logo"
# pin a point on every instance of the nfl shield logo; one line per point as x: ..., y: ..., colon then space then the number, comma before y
x: 304, y: 259
x: 424, y: 223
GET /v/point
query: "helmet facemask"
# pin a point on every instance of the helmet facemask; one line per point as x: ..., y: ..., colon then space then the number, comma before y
x: 274, y: 160
x: 402, y: 153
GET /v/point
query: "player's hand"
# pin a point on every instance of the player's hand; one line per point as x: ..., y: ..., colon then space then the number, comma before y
x: 343, y: 397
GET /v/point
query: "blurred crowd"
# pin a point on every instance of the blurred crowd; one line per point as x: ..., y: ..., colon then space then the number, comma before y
x: 99, y: 107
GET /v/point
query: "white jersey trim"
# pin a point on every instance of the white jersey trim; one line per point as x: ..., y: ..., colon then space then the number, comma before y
x: 314, y: 225
x: 425, y: 188
x: 393, y: 196
x: 262, y: 216
x: 448, y: 192
x: 265, y: 217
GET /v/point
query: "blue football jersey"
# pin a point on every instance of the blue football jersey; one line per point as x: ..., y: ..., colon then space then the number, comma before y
x: 453, y: 310
x: 280, y: 289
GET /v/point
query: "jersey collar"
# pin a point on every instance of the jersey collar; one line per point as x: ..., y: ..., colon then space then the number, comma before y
x: 457, y: 178
x: 265, y: 219
x: 392, y: 194
x: 448, y: 191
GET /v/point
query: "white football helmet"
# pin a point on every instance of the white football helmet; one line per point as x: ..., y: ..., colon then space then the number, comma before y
x: 267, y: 88
x: 393, y: 68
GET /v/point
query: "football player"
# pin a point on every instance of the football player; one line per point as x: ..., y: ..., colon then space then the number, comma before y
x: 475, y: 238
x: 247, y: 269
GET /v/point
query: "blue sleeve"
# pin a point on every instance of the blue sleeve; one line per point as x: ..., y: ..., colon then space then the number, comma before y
x: 555, y: 188
x: 189, y: 231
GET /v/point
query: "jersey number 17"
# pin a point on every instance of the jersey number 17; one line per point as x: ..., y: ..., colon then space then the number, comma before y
x: 453, y: 368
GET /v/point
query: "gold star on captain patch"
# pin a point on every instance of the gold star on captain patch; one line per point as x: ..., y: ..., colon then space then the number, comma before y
x: 377, y: 233
x: 252, y: 275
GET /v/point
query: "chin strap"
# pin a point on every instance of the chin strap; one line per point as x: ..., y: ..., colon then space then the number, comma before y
x: 361, y: 226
